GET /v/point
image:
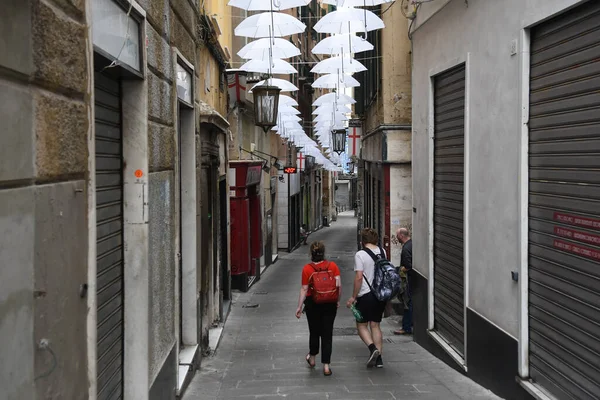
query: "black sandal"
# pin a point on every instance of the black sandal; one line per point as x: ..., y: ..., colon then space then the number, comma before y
x: 308, y: 361
x: 328, y: 374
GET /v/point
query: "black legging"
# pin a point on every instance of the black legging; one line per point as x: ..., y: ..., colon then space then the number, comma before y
x: 320, y: 324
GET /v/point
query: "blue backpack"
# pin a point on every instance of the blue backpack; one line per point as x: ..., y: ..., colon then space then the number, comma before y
x: 386, y: 280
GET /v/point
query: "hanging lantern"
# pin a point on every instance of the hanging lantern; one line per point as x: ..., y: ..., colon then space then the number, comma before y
x: 339, y: 140
x: 266, y: 105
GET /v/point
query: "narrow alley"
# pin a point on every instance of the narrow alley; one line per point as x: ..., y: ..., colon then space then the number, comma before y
x: 260, y: 354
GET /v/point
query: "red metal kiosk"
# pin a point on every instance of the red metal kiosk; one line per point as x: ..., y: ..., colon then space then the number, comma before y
x: 246, y: 222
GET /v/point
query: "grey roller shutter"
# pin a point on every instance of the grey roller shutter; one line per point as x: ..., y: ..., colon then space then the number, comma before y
x: 109, y: 229
x: 564, y: 205
x: 448, y: 206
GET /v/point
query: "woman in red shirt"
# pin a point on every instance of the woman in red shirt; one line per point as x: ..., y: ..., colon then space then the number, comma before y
x: 320, y: 316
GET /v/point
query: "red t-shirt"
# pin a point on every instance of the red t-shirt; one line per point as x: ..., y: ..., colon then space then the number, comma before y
x: 308, y: 270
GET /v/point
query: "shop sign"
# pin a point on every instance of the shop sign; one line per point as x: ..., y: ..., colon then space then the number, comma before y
x: 253, y: 175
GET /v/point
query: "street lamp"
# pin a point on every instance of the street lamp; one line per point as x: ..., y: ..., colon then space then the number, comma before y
x: 351, y: 165
x: 266, y: 105
x: 339, y: 140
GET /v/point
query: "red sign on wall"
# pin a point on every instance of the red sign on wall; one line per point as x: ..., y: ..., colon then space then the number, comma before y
x: 579, y: 250
x: 577, y: 235
x: 575, y: 220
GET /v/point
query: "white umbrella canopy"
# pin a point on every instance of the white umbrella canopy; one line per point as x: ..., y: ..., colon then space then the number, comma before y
x: 339, y: 98
x: 288, y: 117
x: 328, y: 108
x: 260, y: 49
x: 356, y: 3
x: 349, y: 20
x: 332, y: 65
x: 346, y: 43
x: 285, y: 86
x: 269, y: 24
x: 333, y: 81
x: 285, y: 100
x: 283, y: 109
x: 267, y: 5
x: 278, y: 67
x: 331, y: 117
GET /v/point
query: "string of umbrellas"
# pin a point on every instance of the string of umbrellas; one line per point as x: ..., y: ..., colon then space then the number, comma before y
x: 267, y: 53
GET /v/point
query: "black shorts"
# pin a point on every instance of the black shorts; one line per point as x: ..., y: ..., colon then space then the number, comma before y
x: 370, y: 308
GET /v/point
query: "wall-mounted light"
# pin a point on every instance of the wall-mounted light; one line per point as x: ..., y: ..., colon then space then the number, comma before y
x: 266, y: 105
x: 339, y: 140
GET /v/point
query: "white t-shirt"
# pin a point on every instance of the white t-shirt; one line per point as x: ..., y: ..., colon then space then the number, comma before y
x: 363, y: 262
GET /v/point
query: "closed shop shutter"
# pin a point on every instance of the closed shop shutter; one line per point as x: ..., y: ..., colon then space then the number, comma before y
x: 564, y: 204
x: 448, y: 207
x: 109, y: 245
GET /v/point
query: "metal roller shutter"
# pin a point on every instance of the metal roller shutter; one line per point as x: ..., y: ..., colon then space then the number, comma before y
x: 109, y: 245
x: 564, y: 204
x: 448, y: 206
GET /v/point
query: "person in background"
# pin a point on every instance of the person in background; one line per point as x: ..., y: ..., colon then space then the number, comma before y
x: 304, y: 234
x: 403, y: 237
x: 320, y: 316
x: 369, y: 307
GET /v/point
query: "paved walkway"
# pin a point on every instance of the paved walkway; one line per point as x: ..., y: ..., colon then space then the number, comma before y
x: 261, y: 352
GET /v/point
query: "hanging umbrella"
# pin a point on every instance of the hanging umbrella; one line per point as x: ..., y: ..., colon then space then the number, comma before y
x: 342, y: 44
x: 287, y: 110
x: 357, y: 3
x: 334, y: 64
x: 285, y: 100
x: 331, y: 117
x: 267, y: 5
x: 288, y: 117
x: 328, y: 108
x: 259, y: 49
x: 327, y: 98
x: 278, y: 67
x: 333, y: 81
x: 269, y: 24
x: 349, y: 20
x: 285, y: 86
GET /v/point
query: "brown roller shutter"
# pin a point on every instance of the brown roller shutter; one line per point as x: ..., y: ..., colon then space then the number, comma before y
x: 448, y: 206
x: 109, y: 245
x: 564, y: 204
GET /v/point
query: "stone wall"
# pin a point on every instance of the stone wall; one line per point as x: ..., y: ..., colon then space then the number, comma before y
x: 45, y: 114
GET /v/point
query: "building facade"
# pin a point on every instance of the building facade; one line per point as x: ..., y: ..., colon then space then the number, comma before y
x: 113, y: 179
x: 384, y: 110
x: 505, y: 182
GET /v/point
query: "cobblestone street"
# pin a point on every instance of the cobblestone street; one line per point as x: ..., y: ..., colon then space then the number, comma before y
x: 261, y: 351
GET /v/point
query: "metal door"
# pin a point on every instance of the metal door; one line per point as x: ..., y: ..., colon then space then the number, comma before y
x: 109, y: 241
x: 564, y: 204
x: 448, y: 206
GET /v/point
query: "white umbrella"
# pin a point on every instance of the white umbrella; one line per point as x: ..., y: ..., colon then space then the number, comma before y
x: 327, y: 98
x: 288, y: 117
x: 338, y: 63
x: 259, y: 49
x: 349, y: 20
x: 285, y: 86
x: 356, y: 3
x: 269, y: 24
x: 287, y: 101
x: 331, y: 117
x: 341, y: 44
x: 332, y: 81
x: 328, y: 108
x: 267, y: 5
x: 283, y: 109
x: 278, y: 67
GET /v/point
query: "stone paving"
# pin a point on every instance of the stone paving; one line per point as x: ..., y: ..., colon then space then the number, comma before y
x: 261, y: 353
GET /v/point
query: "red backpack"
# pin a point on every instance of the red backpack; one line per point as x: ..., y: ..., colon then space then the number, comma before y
x: 323, y: 285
